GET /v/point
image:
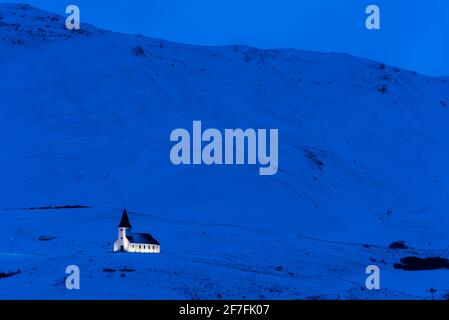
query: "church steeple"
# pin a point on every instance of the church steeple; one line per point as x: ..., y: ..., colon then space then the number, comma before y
x: 124, y: 222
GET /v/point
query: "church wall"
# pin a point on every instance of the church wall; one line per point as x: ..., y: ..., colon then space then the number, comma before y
x: 143, y: 248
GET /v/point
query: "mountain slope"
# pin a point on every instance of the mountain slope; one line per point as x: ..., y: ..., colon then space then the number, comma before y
x: 86, y: 118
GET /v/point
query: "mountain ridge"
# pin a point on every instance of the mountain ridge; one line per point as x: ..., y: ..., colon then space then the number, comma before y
x: 46, y: 18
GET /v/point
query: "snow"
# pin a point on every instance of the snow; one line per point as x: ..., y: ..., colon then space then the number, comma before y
x: 363, y: 153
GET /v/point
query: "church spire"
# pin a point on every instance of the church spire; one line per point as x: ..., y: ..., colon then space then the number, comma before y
x: 124, y: 222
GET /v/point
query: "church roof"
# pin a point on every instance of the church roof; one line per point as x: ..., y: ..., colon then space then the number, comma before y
x: 124, y: 222
x: 143, y: 238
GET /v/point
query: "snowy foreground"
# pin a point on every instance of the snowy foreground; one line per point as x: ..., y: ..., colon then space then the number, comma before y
x: 198, y: 261
x: 85, y: 119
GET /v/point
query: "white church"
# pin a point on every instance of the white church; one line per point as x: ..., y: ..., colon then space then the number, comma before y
x: 128, y: 241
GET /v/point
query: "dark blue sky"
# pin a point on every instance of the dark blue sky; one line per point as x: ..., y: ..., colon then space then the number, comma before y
x: 414, y: 34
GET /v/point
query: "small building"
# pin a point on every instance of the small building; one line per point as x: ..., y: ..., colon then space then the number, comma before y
x: 129, y: 241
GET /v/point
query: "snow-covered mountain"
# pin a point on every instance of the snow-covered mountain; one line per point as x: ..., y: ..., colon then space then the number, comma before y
x: 85, y: 118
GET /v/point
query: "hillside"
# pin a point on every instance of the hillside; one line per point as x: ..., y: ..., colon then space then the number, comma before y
x: 85, y: 118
